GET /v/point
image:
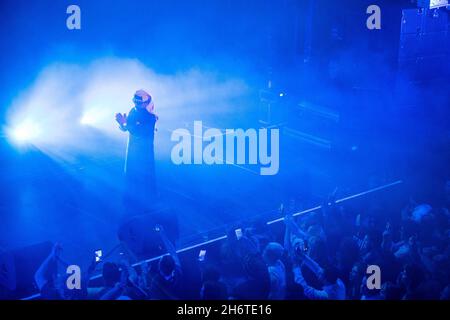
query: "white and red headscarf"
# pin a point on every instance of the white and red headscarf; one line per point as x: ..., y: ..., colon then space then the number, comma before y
x: 141, y: 96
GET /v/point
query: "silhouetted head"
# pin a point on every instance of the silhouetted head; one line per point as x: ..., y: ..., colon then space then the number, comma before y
x: 411, y: 276
x: 166, y: 266
x: 273, y: 252
x: 210, y: 273
x: 356, y: 273
x: 111, y: 274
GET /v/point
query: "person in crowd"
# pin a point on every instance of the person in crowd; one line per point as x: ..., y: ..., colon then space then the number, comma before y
x: 409, y: 280
x: 256, y: 284
x: 111, y: 276
x: 46, y: 277
x: 277, y: 271
x: 213, y: 288
x: 355, y: 279
x: 166, y: 283
x: 332, y: 287
x: 390, y: 291
x: 233, y: 251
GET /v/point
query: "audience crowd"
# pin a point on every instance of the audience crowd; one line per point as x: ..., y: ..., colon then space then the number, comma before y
x: 319, y: 255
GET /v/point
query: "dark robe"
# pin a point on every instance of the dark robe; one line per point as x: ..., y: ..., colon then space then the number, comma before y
x: 140, y: 188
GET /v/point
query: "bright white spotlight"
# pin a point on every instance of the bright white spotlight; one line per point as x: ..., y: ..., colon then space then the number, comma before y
x: 27, y: 131
x: 92, y: 117
x: 87, y: 119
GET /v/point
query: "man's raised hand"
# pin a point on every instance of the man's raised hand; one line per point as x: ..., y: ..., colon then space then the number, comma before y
x: 121, y: 119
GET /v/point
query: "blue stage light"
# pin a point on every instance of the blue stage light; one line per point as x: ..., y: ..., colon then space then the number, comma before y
x: 26, y: 132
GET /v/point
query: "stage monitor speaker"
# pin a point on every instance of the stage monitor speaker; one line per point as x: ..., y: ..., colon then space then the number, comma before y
x: 142, y: 239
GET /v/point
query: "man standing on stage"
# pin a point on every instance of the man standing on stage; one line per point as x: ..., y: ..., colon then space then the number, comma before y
x: 140, y: 188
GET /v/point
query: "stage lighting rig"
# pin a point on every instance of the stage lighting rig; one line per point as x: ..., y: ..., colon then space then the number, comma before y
x: 432, y: 4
